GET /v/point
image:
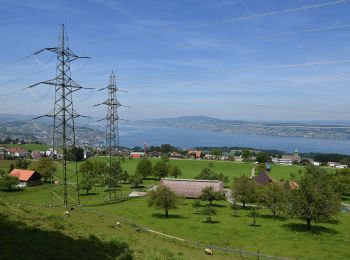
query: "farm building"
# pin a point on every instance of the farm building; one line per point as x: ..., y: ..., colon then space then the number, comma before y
x: 191, y: 188
x: 263, y: 178
x: 137, y: 154
x: 26, y: 177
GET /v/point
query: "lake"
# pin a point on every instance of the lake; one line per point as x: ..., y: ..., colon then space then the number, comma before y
x: 131, y: 136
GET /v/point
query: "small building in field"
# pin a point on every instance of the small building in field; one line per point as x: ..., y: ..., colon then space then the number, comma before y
x: 137, y: 154
x: 263, y: 178
x: 189, y: 188
x: 26, y: 177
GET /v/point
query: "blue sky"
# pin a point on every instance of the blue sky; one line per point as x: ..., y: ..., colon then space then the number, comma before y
x: 232, y: 59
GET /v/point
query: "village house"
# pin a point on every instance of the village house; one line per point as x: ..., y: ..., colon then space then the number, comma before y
x: 2, y: 153
x: 175, y: 155
x: 289, y: 159
x: 26, y: 177
x: 137, y: 154
x: 36, y: 154
x: 189, y: 188
x: 337, y: 165
x: 17, y: 152
x: 195, y: 154
x: 209, y: 156
x: 238, y: 158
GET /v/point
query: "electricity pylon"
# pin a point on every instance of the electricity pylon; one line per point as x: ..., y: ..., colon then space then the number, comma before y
x: 63, y: 116
x: 112, y: 136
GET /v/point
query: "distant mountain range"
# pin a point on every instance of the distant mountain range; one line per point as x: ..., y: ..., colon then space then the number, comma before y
x: 89, y: 131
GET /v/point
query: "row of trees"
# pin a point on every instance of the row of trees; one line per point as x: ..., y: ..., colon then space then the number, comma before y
x: 313, y: 197
x: 159, y: 170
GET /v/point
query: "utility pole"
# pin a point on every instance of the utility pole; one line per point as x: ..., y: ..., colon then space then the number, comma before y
x: 63, y: 116
x: 112, y: 136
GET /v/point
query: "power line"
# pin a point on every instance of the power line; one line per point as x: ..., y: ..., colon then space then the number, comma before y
x: 112, y: 136
x: 63, y: 113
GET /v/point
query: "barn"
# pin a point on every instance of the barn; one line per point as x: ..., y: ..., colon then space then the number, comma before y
x: 26, y: 177
x: 191, y: 188
x: 263, y: 178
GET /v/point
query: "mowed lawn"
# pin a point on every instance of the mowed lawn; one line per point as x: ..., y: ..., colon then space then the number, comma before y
x: 282, y: 236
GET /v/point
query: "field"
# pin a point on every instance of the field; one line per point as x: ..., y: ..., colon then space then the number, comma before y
x: 281, y: 236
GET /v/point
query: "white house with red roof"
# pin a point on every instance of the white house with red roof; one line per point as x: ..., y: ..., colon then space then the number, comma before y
x: 26, y: 177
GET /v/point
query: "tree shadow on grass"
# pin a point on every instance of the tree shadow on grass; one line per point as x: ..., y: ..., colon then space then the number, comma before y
x: 89, y: 194
x: 332, y: 221
x: 138, y: 187
x: 219, y: 205
x: 19, y: 241
x: 211, y: 222
x: 280, y: 218
x: 314, y: 229
x: 170, y: 216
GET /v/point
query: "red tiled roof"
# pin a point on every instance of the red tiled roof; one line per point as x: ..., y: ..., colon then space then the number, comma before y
x: 22, y: 175
x: 191, y: 188
x: 15, y: 150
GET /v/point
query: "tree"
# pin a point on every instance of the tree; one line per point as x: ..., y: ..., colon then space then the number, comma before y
x: 315, y: 198
x: 341, y: 182
x: 45, y: 167
x: 208, y: 211
x: 99, y: 168
x: 273, y: 197
x: 246, y: 154
x: 166, y: 148
x: 253, y: 213
x: 75, y: 154
x: 22, y: 164
x: 234, y: 207
x: 165, y: 158
x: 86, y: 167
x: 262, y: 157
x: 8, y: 182
x: 163, y: 198
x: 11, y: 168
x: 244, y: 190
x: 160, y: 170
x: 208, y: 174
x: 175, y: 171
x: 125, y: 176
x: 216, y: 152
x: 87, y: 182
x: 196, y: 204
x: 144, y: 168
x: 209, y: 194
x: 135, y: 180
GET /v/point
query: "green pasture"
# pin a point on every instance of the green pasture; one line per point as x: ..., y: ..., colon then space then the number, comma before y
x: 280, y: 236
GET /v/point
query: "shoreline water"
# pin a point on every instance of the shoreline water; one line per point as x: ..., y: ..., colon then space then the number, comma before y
x: 131, y: 136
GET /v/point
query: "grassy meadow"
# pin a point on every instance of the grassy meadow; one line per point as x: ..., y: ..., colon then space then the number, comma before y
x: 280, y: 236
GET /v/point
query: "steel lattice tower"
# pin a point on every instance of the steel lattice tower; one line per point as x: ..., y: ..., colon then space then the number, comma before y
x: 112, y: 135
x: 63, y: 114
